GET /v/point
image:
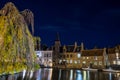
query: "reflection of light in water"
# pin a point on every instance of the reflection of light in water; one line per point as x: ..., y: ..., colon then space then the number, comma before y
x: 88, y: 74
x: 110, y: 76
x: 31, y: 74
x: 39, y: 75
x: 71, y: 74
x: 24, y: 72
x: 78, y: 75
x: 59, y: 74
x: 10, y: 77
x: 117, y: 76
x: 50, y: 74
x: 84, y: 75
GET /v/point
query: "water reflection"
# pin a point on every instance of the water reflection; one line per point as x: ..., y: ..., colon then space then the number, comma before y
x: 59, y: 74
x: 42, y: 74
x: 78, y: 75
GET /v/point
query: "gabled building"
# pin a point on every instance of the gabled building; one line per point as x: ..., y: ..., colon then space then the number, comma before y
x: 66, y: 55
x: 56, y: 51
x: 94, y: 58
x: 45, y: 58
x: 70, y: 55
x: 114, y: 57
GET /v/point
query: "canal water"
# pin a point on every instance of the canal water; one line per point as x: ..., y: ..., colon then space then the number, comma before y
x: 55, y: 74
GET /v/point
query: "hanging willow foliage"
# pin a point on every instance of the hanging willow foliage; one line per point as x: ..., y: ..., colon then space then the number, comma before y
x: 16, y: 41
x: 29, y: 18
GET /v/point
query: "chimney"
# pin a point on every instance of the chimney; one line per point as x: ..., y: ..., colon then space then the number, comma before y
x: 64, y: 49
x: 82, y: 46
x: 75, y: 46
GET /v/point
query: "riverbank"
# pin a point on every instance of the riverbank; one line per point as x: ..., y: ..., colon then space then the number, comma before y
x: 9, y: 73
x: 88, y: 69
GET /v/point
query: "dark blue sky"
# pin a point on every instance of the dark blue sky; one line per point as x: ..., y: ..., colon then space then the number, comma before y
x: 94, y: 22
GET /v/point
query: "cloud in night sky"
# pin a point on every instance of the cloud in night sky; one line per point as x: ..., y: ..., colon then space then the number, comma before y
x: 52, y: 28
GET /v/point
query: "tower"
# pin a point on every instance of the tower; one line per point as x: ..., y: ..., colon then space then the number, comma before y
x: 56, y: 51
x: 57, y: 44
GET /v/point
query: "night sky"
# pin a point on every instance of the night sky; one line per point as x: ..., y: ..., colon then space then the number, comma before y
x: 93, y: 22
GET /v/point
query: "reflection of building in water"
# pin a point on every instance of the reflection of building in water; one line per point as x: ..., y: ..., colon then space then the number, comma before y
x: 78, y: 75
x: 50, y: 74
x: 118, y: 76
x: 56, y: 74
x: 44, y: 58
x: 42, y: 74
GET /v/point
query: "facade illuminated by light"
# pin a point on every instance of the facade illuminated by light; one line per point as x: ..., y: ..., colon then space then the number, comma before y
x: 45, y: 58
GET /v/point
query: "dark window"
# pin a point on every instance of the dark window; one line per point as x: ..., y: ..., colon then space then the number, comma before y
x: 71, y: 56
x: 37, y: 55
x: 67, y: 56
x: 45, y: 55
x: 49, y: 55
x: 63, y: 56
x: 60, y: 56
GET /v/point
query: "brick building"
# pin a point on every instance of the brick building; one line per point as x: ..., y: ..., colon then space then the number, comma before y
x: 94, y: 58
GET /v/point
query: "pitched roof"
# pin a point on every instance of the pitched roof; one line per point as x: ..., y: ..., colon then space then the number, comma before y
x: 92, y: 52
x: 70, y: 48
x: 111, y: 51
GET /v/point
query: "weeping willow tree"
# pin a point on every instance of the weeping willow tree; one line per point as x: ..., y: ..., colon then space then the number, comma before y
x: 16, y: 41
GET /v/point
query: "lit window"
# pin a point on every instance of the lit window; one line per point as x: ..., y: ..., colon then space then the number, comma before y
x: 63, y: 59
x: 75, y: 62
x: 67, y: 61
x: 70, y: 61
x: 84, y: 62
x: 78, y: 61
x: 114, y: 62
x: 117, y: 55
x: 95, y: 58
x: 100, y: 62
x: 95, y: 63
x: 78, y: 55
x: 83, y: 57
x: 60, y: 61
x: 118, y: 62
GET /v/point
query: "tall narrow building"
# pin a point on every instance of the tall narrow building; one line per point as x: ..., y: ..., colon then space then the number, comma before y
x: 57, y: 44
x: 56, y: 50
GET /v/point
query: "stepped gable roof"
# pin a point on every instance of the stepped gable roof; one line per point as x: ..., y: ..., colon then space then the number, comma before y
x: 92, y: 52
x: 114, y: 50
x: 78, y: 49
x: 111, y: 51
x: 70, y: 48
